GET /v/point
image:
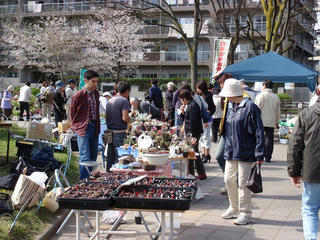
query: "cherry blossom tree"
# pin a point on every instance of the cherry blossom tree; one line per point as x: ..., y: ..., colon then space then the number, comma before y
x: 113, y: 42
x: 50, y: 45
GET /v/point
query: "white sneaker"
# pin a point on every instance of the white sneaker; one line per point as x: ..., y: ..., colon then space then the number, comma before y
x: 230, y: 213
x: 243, y: 220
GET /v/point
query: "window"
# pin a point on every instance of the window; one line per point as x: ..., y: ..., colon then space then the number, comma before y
x: 149, y: 75
x: 242, y: 52
x: 259, y: 23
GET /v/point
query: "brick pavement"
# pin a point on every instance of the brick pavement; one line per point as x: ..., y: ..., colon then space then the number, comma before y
x: 276, y: 211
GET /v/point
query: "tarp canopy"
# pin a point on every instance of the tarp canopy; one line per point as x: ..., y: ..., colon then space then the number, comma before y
x: 274, y: 67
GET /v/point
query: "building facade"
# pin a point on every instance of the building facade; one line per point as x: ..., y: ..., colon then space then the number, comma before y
x: 167, y: 56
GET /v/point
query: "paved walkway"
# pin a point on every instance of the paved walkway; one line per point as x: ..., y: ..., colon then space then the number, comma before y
x: 276, y: 210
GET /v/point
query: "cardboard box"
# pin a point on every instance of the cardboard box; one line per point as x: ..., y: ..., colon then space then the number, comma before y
x: 64, y: 126
x: 38, y: 130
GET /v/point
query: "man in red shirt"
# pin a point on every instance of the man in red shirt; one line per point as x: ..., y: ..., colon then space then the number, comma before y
x: 85, y: 119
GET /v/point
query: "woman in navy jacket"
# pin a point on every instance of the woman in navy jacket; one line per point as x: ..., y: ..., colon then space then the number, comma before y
x: 244, y: 136
x: 193, y: 125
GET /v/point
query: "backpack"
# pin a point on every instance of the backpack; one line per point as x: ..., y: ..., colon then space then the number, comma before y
x: 206, y: 117
x: 44, y: 97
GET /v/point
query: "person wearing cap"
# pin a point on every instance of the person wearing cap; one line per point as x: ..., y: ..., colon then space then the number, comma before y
x: 59, y: 100
x: 145, y: 107
x: 104, y: 101
x: 70, y: 91
x: 169, y: 103
x: 6, y: 104
x: 244, y: 146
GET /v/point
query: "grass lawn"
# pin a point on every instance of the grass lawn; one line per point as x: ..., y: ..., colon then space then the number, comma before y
x: 30, y: 222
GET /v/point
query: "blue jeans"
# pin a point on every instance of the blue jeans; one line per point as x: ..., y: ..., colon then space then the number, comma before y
x: 220, y: 154
x: 177, y: 119
x: 88, y: 148
x: 117, y: 141
x: 310, y: 210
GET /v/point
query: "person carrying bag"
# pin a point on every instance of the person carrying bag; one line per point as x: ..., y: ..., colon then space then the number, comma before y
x: 254, y: 183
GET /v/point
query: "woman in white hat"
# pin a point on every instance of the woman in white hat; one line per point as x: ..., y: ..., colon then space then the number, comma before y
x: 244, y: 145
x: 6, y: 104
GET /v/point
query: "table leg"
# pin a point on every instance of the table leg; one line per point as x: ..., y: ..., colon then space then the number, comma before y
x: 77, y: 225
x: 163, y: 225
x: 171, y: 226
x: 97, y: 225
x: 145, y: 225
x: 8, y: 145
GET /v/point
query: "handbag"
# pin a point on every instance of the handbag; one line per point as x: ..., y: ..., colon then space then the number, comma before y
x: 204, y: 112
x: 254, y: 183
x: 107, y: 137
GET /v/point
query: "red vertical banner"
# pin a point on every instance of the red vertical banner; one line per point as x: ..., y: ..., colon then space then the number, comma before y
x: 220, y: 55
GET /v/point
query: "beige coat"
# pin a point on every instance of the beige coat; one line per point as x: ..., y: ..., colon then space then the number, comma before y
x: 269, y: 104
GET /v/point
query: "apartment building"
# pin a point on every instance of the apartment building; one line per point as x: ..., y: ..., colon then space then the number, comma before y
x: 167, y: 56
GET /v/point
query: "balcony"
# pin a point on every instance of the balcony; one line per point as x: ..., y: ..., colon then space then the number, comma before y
x: 71, y: 7
x: 163, y: 56
x: 153, y: 29
x: 172, y: 3
x: 8, y: 9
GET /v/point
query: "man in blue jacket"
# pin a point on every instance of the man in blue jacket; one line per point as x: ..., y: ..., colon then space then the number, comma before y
x: 244, y: 136
x: 155, y: 94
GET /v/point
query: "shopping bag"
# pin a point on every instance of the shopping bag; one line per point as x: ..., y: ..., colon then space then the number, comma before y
x: 254, y: 183
x: 50, y: 200
x: 25, y: 190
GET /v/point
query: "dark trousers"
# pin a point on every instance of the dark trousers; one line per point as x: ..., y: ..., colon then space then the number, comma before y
x: 215, y: 129
x: 24, y: 106
x: 269, y: 135
x: 7, y: 112
x: 58, y: 117
x: 170, y: 117
x: 199, y: 164
x: 220, y: 154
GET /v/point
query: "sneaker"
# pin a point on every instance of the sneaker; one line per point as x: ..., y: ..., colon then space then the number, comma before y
x: 243, y: 220
x: 229, y: 214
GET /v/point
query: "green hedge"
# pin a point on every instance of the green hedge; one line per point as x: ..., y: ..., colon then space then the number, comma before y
x: 144, y: 83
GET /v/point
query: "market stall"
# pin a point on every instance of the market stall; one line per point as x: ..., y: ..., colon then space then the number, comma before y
x: 129, y: 192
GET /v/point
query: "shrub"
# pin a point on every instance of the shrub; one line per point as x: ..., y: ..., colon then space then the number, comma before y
x: 284, y: 96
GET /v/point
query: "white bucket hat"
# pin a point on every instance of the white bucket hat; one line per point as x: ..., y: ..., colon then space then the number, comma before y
x: 107, y: 94
x: 231, y: 88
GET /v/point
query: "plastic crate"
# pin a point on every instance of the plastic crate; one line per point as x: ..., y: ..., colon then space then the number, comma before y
x: 152, y: 203
x: 86, y: 203
x: 122, y: 151
x: 160, y: 180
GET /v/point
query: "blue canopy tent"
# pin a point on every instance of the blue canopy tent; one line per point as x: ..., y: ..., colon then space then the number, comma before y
x: 274, y: 67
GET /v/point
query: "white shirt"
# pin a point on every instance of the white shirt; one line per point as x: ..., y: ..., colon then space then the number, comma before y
x: 217, y: 102
x: 269, y: 104
x: 25, y: 94
x: 103, y: 104
x: 42, y: 90
x: 70, y: 93
x: 313, y: 100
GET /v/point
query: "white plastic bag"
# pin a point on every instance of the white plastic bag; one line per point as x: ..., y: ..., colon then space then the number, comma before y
x: 110, y: 217
x: 39, y: 178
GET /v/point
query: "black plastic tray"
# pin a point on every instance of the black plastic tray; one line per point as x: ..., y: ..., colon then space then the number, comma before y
x: 184, y: 179
x: 86, y: 203
x: 152, y: 203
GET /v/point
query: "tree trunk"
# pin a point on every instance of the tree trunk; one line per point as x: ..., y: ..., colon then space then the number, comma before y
x: 118, y: 70
x: 194, y: 53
